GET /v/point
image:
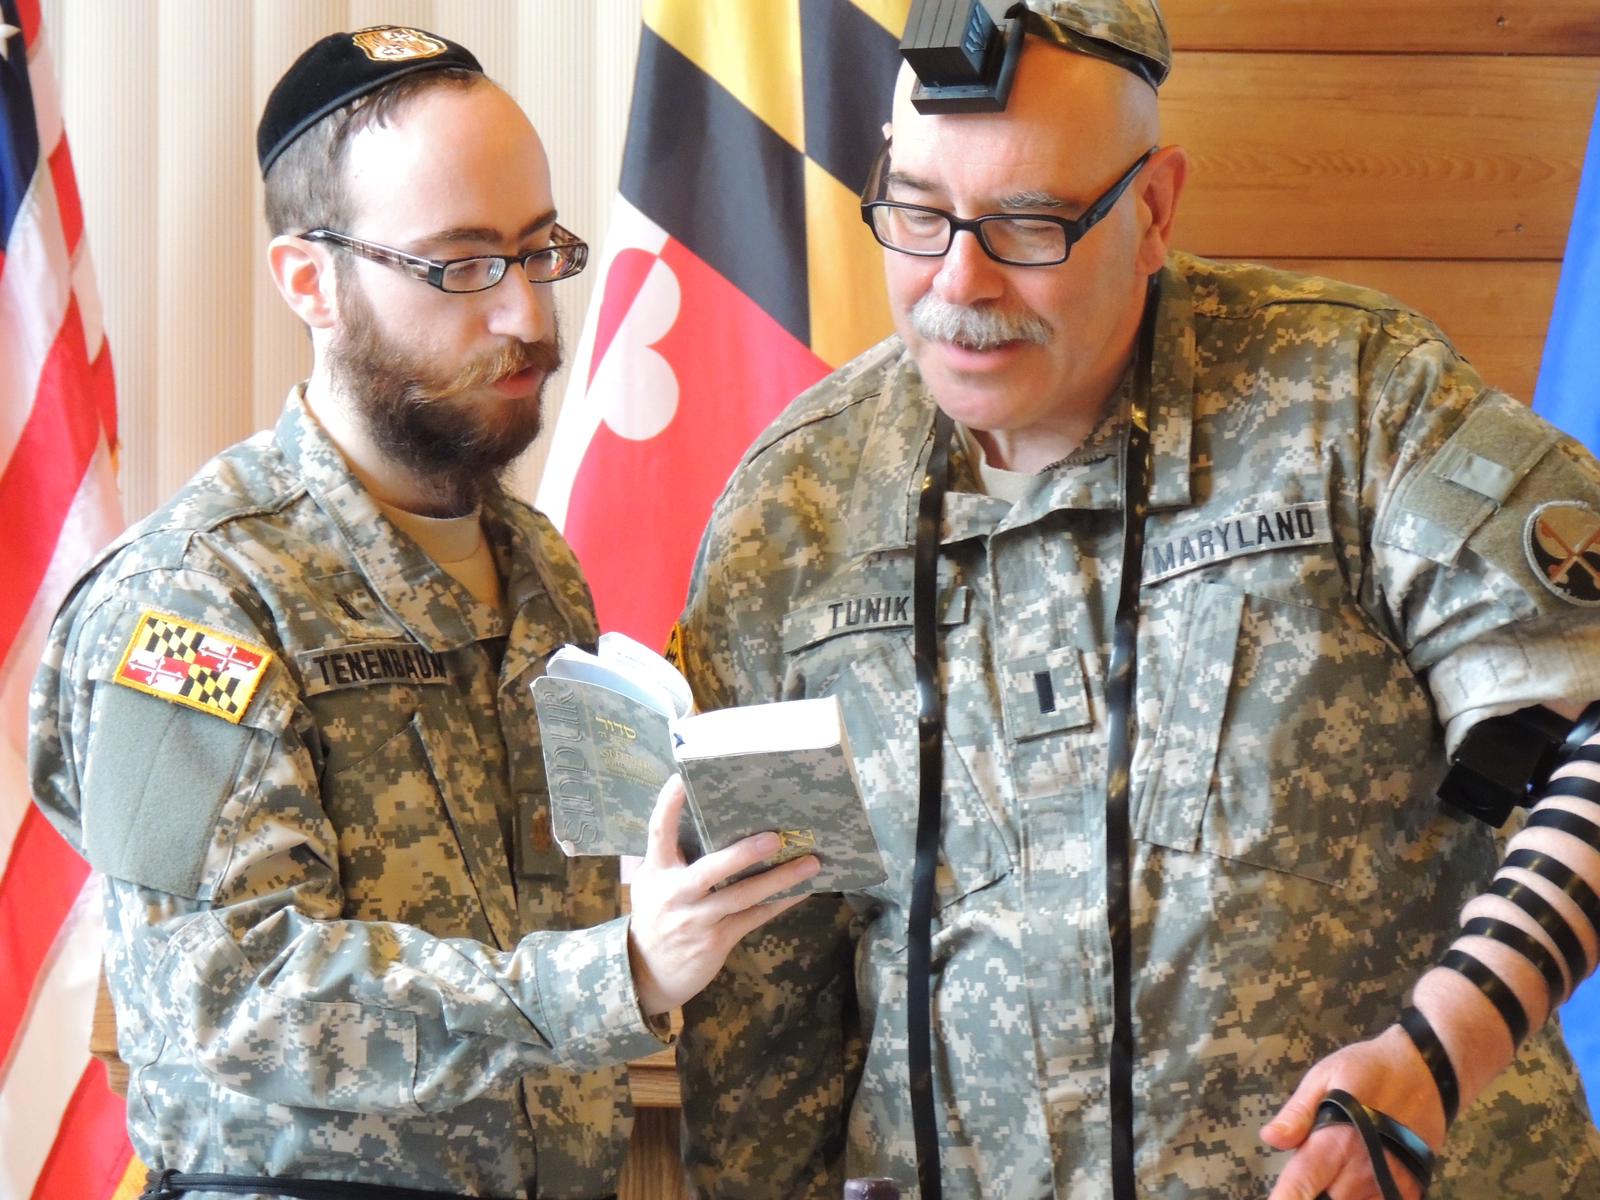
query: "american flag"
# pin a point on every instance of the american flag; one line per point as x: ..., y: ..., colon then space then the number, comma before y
x: 61, y: 1127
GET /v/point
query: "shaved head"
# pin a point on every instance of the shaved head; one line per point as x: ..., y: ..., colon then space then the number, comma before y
x: 1108, y: 113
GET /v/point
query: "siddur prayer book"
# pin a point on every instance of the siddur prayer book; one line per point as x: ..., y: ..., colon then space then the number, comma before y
x: 616, y: 723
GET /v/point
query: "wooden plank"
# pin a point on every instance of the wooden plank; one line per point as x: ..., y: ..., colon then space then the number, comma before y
x: 1379, y: 156
x: 1495, y: 313
x: 654, y: 1170
x: 1383, y: 26
x: 653, y: 1081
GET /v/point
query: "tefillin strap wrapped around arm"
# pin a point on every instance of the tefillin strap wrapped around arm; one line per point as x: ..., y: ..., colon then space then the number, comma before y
x: 1497, y: 799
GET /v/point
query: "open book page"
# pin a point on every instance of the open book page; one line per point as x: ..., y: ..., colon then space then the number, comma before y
x: 758, y: 728
x: 639, y: 662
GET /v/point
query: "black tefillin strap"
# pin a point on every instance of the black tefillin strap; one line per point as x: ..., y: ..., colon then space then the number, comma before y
x: 1121, y: 731
x: 1524, y: 943
x: 1554, y: 924
x: 930, y: 778
x: 1378, y: 1131
x: 930, y: 789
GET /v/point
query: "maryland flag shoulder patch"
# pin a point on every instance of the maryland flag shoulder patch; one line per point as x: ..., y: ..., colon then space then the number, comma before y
x: 185, y: 663
x: 673, y: 652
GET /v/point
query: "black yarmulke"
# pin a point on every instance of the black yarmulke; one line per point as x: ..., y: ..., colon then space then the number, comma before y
x: 343, y: 67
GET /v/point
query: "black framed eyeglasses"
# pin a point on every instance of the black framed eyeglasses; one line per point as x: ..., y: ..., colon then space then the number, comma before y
x: 1031, y: 240
x: 564, y: 257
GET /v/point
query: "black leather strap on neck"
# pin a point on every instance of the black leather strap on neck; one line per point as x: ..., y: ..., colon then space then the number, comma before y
x: 1121, y: 730
x: 930, y: 791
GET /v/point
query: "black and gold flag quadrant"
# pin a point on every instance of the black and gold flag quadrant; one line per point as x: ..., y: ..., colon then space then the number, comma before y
x: 752, y: 129
x: 189, y: 664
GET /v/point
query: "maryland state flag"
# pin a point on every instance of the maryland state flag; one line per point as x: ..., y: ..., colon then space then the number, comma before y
x: 737, y: 271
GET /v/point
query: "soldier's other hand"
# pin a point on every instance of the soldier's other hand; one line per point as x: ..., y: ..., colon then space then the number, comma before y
x: 681, y: 930
x: 1386, y: 1074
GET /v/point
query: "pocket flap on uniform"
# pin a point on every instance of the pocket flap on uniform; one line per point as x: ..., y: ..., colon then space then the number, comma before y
x: 1183, y: 754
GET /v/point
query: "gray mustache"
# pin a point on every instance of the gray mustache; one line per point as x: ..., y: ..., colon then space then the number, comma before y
x: 976, y: 328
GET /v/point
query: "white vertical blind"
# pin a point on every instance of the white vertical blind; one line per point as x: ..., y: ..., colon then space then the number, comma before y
x: 161, y: 99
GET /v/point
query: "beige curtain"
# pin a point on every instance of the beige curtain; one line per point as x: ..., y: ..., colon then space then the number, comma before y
x: 160, y: 100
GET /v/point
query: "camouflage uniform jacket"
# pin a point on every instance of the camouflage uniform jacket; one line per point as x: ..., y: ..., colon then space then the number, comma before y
x: 341, y: 944
x: 1337, y: 584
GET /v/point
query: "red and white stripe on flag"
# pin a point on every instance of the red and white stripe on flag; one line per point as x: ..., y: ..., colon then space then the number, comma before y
x: 61, y: 1126
x: 736, y: 273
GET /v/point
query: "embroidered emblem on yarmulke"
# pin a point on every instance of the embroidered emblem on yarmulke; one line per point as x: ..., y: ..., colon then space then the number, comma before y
x: 396, y: 43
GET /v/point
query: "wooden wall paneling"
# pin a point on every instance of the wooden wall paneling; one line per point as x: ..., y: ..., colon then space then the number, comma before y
x: 1495, y: 313
x: 1383, y: 26
x: 654, y: 1170
x: 1379, y: 156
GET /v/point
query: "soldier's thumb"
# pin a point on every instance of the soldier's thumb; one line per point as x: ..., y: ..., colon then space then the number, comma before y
x: 1292, y: 1123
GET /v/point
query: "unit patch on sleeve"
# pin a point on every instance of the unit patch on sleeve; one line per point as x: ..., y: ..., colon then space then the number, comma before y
x: 185, y: 663
x: 1562, y: 540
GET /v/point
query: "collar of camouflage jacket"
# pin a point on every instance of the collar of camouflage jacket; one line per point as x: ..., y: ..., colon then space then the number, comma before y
x: 899, y: 440
x: 439, y: 612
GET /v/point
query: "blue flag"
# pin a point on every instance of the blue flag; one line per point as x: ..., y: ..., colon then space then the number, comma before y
x: 1568, y: 395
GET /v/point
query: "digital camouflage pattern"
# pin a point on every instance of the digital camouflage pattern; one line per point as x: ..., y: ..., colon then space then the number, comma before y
x: 807, y: 793
x: 606, y: 755
x: 341, y: 941
x: 1337, y: 589
x: 1136, y: 26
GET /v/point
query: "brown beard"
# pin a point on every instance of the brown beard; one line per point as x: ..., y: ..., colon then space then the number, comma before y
x: 409, y: 409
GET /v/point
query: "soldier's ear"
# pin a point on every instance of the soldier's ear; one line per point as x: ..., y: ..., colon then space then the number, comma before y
x: 303, y: 272
x: 1158, y: 188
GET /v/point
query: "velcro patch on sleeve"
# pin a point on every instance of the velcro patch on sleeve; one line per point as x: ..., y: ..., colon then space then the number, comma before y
x: 185, y: 663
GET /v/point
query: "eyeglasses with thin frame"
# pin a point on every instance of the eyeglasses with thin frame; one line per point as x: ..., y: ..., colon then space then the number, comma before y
x: 1031, y: 240
x: 564, y: 257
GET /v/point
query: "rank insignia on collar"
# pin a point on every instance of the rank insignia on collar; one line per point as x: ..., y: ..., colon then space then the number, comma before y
x: 185, y: 663
x: 396, y: 43
x: 1562, y: 541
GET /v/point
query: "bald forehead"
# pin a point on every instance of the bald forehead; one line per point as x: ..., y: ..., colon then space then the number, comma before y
x: 1055, y: 87
x: 452, y: 157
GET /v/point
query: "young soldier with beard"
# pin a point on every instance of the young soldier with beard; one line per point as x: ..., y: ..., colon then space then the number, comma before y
x: 288, y: 715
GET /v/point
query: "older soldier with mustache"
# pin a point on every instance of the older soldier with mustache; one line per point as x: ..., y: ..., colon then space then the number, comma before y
x: 1168, y: 865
